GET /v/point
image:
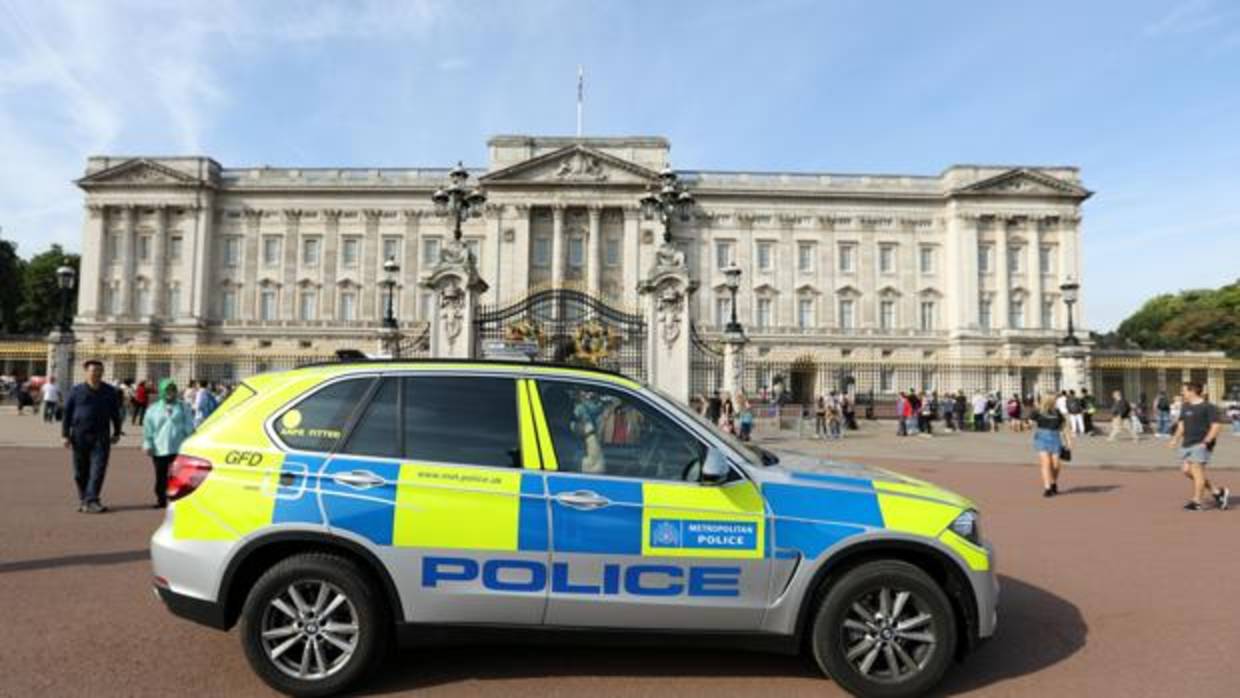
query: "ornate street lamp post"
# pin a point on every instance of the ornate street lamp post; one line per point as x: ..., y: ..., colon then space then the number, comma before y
x: 732, y: 276
x: 1070, y: 289
x: 390, y: 268
x: 65, y: 278
x: 667, y: 199
x: 458, y: 200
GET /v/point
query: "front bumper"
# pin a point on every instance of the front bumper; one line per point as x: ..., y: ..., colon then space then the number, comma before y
x: 986, y: 590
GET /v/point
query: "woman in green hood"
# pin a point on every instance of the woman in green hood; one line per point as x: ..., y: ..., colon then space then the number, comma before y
x: 168, y: 423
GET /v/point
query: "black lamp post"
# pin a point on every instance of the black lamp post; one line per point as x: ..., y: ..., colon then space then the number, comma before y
x: 666, y: 199
x: 65, y: 278
x: 732, y: 276
x: 1070, y: 289
x: 458, y: 199
x: 391, y: 268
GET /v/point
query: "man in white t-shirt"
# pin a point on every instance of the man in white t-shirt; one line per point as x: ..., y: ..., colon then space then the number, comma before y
x: 50, y: 395
x: 979, y: 412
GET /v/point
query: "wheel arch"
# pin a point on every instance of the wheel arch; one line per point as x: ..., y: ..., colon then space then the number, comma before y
x: 260, y: 554
x: 941, y: 567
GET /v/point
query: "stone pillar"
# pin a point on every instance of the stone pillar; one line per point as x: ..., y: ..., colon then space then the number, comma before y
x: 631, y: 245
x: 518, y: 262
x: 201, y: 262
x: 372, y: 263
x: 457, y: 287
x: 128, y: 260
x: 1003, y: 282
x: 1073, y: 367
x: 734, y: 362
x: 159, y: 285
x: 593, y: 282
x: 93, y: 261
x: 557, y: 246
x: 666, y: 292
x: 286, y: 297
x: 1034, y: 272
x: 60, y: 360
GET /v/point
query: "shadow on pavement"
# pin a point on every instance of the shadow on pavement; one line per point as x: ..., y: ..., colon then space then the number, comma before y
x: 47, y: 563
x: 1091, y: 489
x: 1036, y: 630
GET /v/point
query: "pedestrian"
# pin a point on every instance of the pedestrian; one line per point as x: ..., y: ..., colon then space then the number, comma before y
x: 1050, y: 437
x: 1233, y: 414
x: 90, y: 408
x: 848, y: 407
x: 912, y: 412
x: 1076, y: 413
x: 167, y: 425
x: 1138, y: 418
x: 1089, y: 407
x: 727, y: 415
x: 1121, y: 412
x: 820, y: 418
x: 925, y: 414
x: 140, y: 400
x: 24, y: 397
x: 127, y: 393
x: 979, y: 412
x: 714, y: 408
x: 1196, y: 434
x: 959, y: 407
x: 1162, y: 410
x: 901, y: 414
x: 744, y: 412
x: 50, y: 393
x: 1013, y: 414
x: 835, y: 417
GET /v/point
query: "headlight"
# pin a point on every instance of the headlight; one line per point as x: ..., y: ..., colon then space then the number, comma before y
x: 966, y: 527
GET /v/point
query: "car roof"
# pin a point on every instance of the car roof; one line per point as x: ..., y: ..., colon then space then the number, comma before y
x: 466, y: 365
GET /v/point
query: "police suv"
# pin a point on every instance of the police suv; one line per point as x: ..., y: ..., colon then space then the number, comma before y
x: 331, y: 508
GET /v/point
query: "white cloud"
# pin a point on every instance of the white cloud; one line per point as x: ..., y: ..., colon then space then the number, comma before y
x: 1185, y: 18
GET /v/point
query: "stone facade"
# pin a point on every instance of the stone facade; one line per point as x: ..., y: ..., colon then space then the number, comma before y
x: 963, y: 265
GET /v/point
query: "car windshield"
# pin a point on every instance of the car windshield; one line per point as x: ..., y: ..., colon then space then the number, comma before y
x: 753, y: 453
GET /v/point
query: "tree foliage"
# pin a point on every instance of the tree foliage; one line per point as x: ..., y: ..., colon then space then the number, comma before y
x: 1197, y: 320
x: 12, y: 272
x: 30, y: 302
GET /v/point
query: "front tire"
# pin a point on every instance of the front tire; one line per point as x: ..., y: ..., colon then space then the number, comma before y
x: 313, y: 625
x: 886, y: 630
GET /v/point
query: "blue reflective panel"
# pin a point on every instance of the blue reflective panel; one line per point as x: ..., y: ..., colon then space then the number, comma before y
x: 367, y: 512
x: 297, y: 498
x: 823, y: 504
x: 532, y: 533
x: 809, y: 538
x: 614, y: 529
x: 833, y: 479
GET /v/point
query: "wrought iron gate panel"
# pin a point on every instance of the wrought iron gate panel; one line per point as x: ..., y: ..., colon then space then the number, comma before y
x: 705, y: 365
x: 570, y: 326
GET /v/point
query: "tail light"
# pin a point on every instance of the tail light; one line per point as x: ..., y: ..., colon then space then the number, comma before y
x: 185, y: 475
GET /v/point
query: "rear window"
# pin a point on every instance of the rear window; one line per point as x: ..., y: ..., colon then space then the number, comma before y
x: 240, y: 394
x: 318, y: 421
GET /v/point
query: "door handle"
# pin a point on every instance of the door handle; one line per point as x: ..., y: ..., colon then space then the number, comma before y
x: 358, y: 479
x: 582, y: 499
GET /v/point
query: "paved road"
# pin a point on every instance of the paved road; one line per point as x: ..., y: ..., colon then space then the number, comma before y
x: 1108, y: 590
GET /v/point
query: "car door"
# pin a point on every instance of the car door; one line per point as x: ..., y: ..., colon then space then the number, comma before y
x: 634, y: 544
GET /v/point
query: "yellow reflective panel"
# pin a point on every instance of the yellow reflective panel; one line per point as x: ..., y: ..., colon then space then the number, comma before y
x: 445, y: 506
x: 691, y: 520
x: 921, y: 488
x: 914, y: 515
x: 233, y: 501
x: 973, y: 555
x: 529, y: 439
x: 549, y: 461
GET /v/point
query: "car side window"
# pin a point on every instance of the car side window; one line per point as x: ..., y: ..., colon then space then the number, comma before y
x: 377, y: 433
x: 606, y: 432
x: 471, y: 420
x: 317, y: 422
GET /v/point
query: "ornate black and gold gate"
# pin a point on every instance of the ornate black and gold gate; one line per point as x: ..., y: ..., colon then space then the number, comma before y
x: 705, y: 366
x: 570, y: 326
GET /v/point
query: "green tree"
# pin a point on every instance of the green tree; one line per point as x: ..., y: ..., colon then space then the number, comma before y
x: 1197, y: 320
x: 40, y: 309
x: 12, y: 273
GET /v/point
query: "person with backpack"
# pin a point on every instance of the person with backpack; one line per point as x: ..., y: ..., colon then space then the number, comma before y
x: 204, y: 403
x: 1076, y: 413
x: 1121, y: 414
x: 1088, y: 407
x: 1162, y: 407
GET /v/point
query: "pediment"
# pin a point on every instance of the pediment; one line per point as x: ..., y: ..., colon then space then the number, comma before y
x: 848, y: 291
x: 807, y: 289
x: 575, y: 164
x: 139, y: 172
x: 1025, y: 182
x: 765, y: 289
x: 889, y: 291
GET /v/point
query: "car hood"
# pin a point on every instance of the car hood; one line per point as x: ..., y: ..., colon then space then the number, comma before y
x: 800, y: 469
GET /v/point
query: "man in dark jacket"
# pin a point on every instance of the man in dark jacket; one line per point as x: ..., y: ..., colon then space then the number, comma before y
x: 90, y: 409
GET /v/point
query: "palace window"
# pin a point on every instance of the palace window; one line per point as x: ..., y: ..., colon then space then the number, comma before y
x: 887, y: 259
x: 1016, y: 313
x: 542, y: 252
x: 926, y: 257
x: 271, y: 251
x: 348, y: 306
x: 113, y: 247
x: 174, y: 248
x: 848, y: 319
x: 349, y: 252
x: 983, y: 313
x: 1048, y: 312
x: 143, y: 296
x: 310, y: 252
x: 848, y: 262
x: 308, y: 305
x: 985, y: 258
x: 723, y: 255
x: 1046, y: 259
x: 927, y: 315
x: 174, y: 301
x: 144, y: 248
x: 887, y: 315
x: 430, y: 252
x: 723, y: 311
x: 763, y: 316
x: 232, y: 251
x: 805, y: 256
x: 267, y: 304
x: 1014, y: 263
x: 228, y: 304
x: 611, y: 251
x: 805, y: 313
x: 576, y: 252
x: 425, y: 303
x: 764, y: 255
x: 391, y: 249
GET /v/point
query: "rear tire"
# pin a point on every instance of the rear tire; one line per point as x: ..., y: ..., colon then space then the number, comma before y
x: 312, y: 625
x: 885, y: 629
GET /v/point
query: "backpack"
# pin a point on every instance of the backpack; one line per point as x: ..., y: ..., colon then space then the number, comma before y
x: 1164, y: 405
x: 207, y: 403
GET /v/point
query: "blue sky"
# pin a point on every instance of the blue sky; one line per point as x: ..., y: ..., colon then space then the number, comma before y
x: 1143, y: 96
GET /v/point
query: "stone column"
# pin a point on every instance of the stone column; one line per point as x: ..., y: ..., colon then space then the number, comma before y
x: 593, y: 280
x: 1003, y: 283
x: 734, y: 362
x: 372, y: 264
x: 518, y: 263
x: 557, y: 246
x: 60, y: 360
x: 331, y: 231
x: 201, y: 262
x: 1034, y: 271
x: 92, y: 251
x: 286, y: 298
x: 457, y: 287
x: 1073, y: 368
x: 329, y: 268
x: 666, y: 292
x: 631, y: 246
x: 247, y: 298
x: 409, y: 271
x: 159, y: 285
x: 128, y: 260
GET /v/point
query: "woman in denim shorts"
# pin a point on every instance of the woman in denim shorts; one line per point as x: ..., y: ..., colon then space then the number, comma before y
x: 1049, y: 437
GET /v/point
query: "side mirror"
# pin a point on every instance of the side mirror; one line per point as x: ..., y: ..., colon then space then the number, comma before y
x: 715, y: 468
